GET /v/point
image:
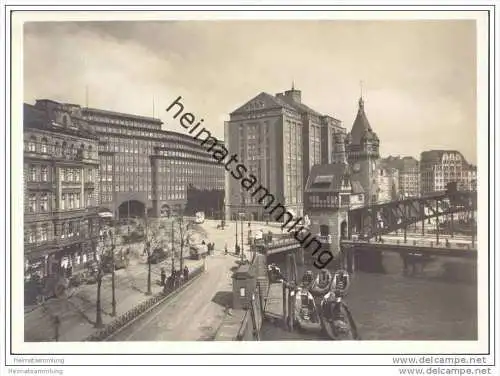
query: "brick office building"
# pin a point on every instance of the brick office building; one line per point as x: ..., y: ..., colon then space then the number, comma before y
x: 147, y: 167
x: 278, y: 138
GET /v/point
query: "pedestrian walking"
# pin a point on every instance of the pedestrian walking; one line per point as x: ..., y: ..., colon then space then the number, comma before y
x: 163, y: 276
x: 225, y: 248
x: 186, y: 273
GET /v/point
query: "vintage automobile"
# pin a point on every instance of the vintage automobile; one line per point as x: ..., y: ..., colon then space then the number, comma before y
x: 158, y: 255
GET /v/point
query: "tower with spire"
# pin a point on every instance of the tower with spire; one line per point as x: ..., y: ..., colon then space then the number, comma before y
x: 362, y: 147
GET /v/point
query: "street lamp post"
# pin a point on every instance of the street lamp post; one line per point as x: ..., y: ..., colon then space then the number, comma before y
x: 242, y: 217
x: 113, y: 297
x: 98, y: 314
x: 181, y: 232
x: 148, y: 250
x: 173, y: 252
x: 236, y: 231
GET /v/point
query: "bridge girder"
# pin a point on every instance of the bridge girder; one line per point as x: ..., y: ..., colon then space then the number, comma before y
x: 381, y: 219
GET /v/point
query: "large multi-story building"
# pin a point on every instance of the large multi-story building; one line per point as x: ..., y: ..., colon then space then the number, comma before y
x: 362, y: 146
x: 278, y: 139
x: 142, y: 168
x: 440, y: 167
x: 409, y: 174
x: 149, y: 167
x: 61, y: 168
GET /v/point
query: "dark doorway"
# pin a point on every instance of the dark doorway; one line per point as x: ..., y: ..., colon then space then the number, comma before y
x: 324, y: 230
x: 343, y: 230
x: 130, y: 209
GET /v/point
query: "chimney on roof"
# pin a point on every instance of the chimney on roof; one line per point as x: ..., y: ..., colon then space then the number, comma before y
x: 293, y: 94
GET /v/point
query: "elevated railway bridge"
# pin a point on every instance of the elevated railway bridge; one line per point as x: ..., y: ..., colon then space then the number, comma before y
x: 370, y: 229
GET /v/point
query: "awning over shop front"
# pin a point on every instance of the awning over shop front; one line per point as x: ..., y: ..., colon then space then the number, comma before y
x: 105, y: 213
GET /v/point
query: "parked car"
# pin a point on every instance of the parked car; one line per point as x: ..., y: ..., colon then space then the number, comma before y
x: 121, y: 262
x: 158, y: 255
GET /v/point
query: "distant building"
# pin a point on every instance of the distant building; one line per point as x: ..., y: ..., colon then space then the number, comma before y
x: 409, y: 174
x: 61, y: 184
x: 388, y: 183
x: 278, y: 139
x: 440, y: 167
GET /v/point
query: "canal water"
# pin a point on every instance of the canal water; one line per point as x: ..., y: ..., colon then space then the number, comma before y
x: 438, y: 303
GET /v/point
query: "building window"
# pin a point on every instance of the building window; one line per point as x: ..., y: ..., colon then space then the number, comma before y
x: 44, y: 233
x: 32, y: 174
x: 44, y: 202
x: 71, y: 201
x: 31, y: 236
x: 32, y: 144
x: 44, y: 173
x: 69, y: 174
x: 64, y: 233
x: 44, y: 146
x: 32, y: 203
x: 63, y: 201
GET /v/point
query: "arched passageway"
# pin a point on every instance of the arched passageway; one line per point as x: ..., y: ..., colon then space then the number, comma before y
x: 343, y: 230
x: 130, y: 209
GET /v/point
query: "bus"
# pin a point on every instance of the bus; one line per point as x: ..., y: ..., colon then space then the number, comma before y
x: 199, y: 217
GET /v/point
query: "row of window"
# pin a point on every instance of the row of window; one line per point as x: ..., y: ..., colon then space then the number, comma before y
x: 65, y: 150
x: 124, y: 121
x: 171, y: 196
x: 39, y: 203
x: 47, y: 232
x: 43, y: 173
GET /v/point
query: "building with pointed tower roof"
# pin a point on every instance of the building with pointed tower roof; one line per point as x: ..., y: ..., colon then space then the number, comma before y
x: 362, y: 147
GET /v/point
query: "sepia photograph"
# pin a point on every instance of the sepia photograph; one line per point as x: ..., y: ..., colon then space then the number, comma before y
x: 284, y: 181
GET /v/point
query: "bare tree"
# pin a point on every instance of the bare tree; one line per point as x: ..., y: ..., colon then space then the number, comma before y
x: 186, y: 233
x: 104, y: 250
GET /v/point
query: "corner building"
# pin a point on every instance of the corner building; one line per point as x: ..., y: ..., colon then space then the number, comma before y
x: 61, y: 169
x: 146, y: 169
x: 278, y: 138
x: 440, y: 167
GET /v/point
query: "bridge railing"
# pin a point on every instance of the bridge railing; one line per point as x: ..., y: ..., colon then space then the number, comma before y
x: 444, y: 243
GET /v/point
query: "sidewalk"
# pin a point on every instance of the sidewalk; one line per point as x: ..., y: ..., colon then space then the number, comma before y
x: 77, y: 312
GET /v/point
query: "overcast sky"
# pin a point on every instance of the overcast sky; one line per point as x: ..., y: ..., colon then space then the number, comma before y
x: 419, y: 77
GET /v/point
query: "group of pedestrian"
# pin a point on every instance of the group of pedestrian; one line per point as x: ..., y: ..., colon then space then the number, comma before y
x: 176, y: 278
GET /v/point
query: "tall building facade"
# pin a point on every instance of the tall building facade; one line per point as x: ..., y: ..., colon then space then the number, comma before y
x: 278, y: 138
x: 149, y: 167
x: 185, y: 176
x: 362, y: 146
x: 142, y: 169
x: 61, y: 168
x: 125, y: 167
x: 440, y: 167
